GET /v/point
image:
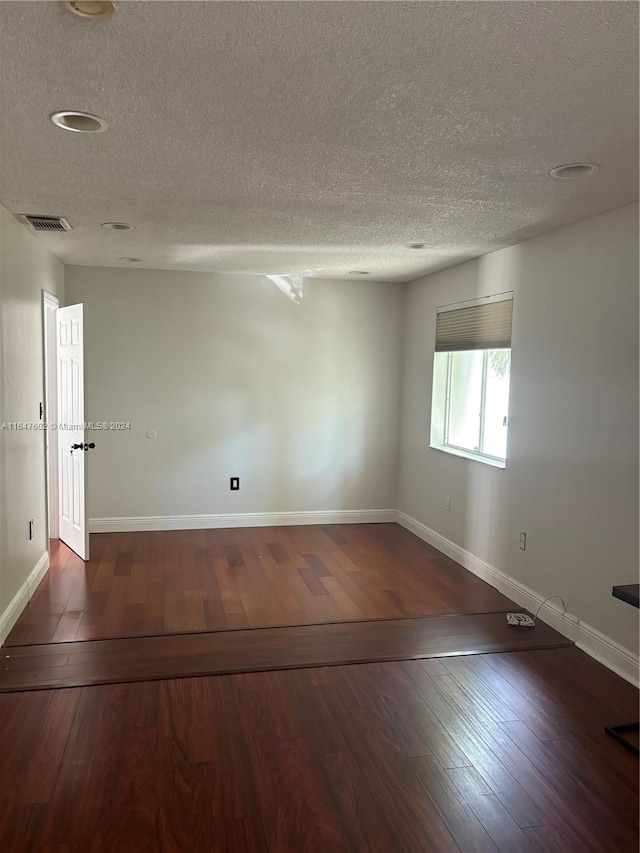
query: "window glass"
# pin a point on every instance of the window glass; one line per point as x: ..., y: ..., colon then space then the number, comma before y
x: 496, y: 406
x: 465, y: 399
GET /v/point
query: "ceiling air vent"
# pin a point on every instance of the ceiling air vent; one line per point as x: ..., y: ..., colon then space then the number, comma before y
x: 45, y: 223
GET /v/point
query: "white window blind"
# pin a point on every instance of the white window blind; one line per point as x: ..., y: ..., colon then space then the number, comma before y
x: 477, y: 325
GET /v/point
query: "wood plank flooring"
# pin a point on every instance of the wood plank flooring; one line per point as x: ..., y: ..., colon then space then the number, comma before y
x: 140, y: 584
x: 457, y: 752
x: 504, y: 752
x: 181, y: 655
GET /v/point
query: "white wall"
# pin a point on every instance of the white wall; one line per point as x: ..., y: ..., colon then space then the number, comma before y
x: 26, y: 268
x: 300, y: 401
x: 571, y: 481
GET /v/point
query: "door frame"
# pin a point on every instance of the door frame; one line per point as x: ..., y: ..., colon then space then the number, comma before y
x: 72, y: 430
x: 50, y: 305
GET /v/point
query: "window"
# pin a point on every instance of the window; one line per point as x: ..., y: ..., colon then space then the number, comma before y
x: 470, y: 404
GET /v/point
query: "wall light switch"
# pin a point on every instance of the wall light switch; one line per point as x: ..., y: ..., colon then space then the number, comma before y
x: 447, y: 503
x: 523, y: 541
x: 234, y: 484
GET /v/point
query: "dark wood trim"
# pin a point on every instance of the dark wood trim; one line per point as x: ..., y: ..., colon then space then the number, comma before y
x: 136, y: 636
x: 181, y: 655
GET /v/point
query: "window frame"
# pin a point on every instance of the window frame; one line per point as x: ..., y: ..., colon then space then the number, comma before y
x: 448, y: 446
x: 470, y: 331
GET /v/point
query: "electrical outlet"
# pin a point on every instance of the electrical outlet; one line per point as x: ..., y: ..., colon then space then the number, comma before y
x: 447, y: 503
x: 523, y: 541
x: 32, y: 528
x: 234, y: 484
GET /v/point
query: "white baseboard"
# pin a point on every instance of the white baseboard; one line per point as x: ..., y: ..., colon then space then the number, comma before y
x: 244, y: 519
x: 615, y: 657
x: 20, y: 600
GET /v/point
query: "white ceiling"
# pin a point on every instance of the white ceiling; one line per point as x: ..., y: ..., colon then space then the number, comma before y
x: 275, y: 137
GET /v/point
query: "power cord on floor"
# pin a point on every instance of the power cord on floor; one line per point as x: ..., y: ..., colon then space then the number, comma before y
x: 524, y: 620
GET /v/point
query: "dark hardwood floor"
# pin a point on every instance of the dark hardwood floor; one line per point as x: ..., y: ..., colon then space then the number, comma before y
x: 257, y: 649
x: 457, y: 751
x: 209, y: 580
x: 500, y: 752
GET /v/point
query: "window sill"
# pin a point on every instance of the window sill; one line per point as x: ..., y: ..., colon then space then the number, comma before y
x: 469, y: 454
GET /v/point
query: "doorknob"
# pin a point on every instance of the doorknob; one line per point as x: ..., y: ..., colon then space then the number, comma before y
x: 90, y: 446
x: 84, y: 446
x: 76, y: 447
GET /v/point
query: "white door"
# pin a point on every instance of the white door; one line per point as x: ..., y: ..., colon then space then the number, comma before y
x: 71, y: 438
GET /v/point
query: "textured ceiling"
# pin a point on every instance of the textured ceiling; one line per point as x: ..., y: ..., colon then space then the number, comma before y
x: 274, y: 137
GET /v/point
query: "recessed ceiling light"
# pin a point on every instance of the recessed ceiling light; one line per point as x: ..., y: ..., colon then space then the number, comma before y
x: 117, y: 226
x: 574, y: 170
x: 93, y: 9
x: 359, y: 272
x: 79, y: 122
x: 416, y: 246
x: 131, y: 260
